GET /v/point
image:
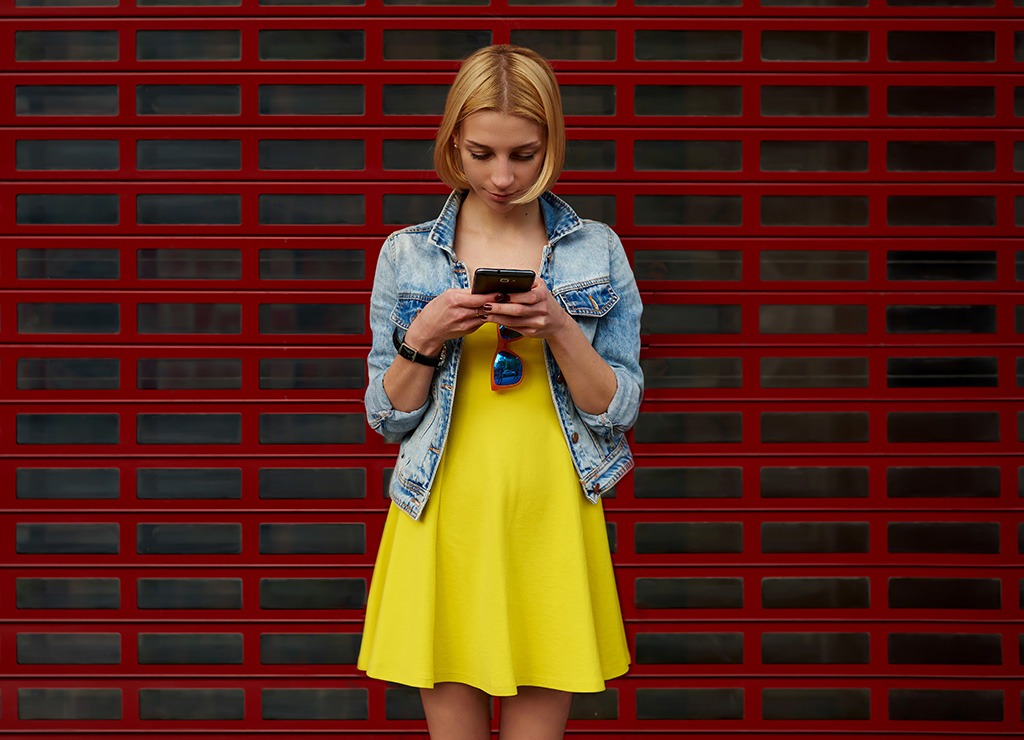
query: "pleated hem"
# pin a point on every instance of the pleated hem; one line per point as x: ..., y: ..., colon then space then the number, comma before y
x: 573, y: 686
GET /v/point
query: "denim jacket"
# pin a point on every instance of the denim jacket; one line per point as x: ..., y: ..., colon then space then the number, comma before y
x: 585, y: 268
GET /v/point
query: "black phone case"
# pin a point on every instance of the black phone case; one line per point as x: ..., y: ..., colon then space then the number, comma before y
x: 492, y: 280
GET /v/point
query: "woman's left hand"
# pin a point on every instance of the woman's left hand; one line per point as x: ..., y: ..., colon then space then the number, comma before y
x: 534, y: 313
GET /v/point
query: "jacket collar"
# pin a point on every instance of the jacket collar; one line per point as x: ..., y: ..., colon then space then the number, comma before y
x: 559, y: 219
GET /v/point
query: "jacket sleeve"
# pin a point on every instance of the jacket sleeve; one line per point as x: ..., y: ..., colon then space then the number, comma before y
x: 617, y: 340
x: 384, y: 418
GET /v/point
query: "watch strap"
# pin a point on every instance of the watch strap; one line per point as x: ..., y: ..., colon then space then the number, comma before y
x: 408, y: 353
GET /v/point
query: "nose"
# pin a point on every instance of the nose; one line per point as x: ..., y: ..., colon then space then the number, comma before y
x: 502, y: 175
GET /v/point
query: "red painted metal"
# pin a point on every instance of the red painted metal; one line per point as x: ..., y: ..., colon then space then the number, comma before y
x: 614, y: 69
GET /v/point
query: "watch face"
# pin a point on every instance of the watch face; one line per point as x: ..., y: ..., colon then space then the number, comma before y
x: 408, y: 353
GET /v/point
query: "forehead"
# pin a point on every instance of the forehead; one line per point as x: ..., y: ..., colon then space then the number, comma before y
x: 495, y: 129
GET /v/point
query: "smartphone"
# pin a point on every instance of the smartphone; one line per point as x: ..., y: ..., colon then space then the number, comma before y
x: 495, y: 280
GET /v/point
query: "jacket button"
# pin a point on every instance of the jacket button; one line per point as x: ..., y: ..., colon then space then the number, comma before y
x: 575, y: 438
x: 559, y: 379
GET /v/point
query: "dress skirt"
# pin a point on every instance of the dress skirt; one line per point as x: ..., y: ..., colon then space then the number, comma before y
x: 506, y: 579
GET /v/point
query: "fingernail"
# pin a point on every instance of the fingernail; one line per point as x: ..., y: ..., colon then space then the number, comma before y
x: 487, y: 307
x: 502, y: 297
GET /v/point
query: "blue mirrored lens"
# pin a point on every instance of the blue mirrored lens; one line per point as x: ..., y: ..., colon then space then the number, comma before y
x: 508, y: 334
x: 508, y: 369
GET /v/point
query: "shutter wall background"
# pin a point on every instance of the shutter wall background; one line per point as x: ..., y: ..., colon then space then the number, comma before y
x: 823, y: 204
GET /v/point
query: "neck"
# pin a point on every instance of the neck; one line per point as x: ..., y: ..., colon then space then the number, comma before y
x: 485, y: 219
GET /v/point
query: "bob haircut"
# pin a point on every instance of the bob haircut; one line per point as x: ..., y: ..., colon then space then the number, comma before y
x: 507, y: 79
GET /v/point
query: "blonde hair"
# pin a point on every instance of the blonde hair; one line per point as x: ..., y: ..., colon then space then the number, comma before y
x: 508, y: 79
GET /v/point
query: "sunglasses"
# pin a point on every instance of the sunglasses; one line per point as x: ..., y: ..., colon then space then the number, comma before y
x: 507, y: 366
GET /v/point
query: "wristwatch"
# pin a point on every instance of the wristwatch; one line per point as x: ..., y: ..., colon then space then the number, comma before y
x: 407, y: 352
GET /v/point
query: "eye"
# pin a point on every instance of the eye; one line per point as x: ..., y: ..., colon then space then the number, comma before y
x: 478, y: 156
x: 526, y: 157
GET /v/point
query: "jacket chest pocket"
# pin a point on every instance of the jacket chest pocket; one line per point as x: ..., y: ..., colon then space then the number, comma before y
x: 407, y: 308
x: 593, y: 298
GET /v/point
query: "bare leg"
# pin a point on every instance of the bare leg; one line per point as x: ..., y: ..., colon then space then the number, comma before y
x: 456, y: 711
x: 535, y: 714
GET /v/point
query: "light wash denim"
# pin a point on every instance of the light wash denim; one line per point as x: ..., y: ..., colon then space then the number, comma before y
x: 585, y: 268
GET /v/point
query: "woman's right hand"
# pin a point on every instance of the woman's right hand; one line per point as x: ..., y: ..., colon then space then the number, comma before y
x: 454, y: 313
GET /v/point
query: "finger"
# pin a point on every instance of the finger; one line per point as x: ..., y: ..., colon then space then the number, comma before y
x: 536, y: 294
x: 481, y: 312
x: 521, y: 297
x: 474, y: 300
x: 472, y: 323
x: 503, y: 310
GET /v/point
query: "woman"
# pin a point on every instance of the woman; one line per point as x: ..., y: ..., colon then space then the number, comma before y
x: 494, y: 576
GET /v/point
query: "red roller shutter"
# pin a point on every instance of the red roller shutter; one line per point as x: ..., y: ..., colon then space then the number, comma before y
x: 823, y: 206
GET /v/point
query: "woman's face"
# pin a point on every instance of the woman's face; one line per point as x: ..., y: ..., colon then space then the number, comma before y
x: 501, y: 156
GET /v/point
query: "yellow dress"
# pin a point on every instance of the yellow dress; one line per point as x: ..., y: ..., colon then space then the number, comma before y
x: 506, y: 579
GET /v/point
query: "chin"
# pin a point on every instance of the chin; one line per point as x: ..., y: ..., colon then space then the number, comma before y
x: 499, y: 205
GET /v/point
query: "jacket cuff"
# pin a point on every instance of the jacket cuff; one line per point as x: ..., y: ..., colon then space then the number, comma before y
x: 622, y: 411
x: 385, y: 418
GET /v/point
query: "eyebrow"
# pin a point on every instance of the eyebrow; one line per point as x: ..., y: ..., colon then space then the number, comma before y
x: 530, y: 145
